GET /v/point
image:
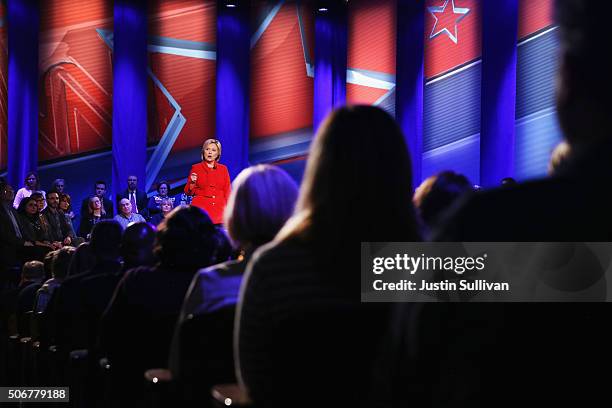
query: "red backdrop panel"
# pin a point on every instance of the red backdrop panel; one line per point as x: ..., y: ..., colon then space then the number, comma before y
x: 281, y: 90
x: 177, y: 27
x: 76, y: 78
x: 442, y: 54
x: 371, y: 45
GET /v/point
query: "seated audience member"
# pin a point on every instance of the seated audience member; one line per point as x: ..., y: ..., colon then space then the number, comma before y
x: 82, y: 261
x: 137, y: 198
x: 155, y: 202
x: 74, y: 317
x: 559, y: 158
x: 31, y: 279
x: 437, y: 194
x: 508, y: 182
x: 99, y: 191
x: 303, y: 335
x: 126, y: 216
x: 95, y: 214
x: 262, y: 199
x: 61, y: 259
x: 64, y: 205
x: 32, y: 228
x: 472, y: 354
x: 166, y: 205
x: 31, y: 185
x: 58, y: 227
x: 137, y: 327
x: 13, y: 246
x: 137, y: 246
x: 58, y: 185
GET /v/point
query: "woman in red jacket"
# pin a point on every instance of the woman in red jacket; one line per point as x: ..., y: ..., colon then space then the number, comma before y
x: 209, y: 182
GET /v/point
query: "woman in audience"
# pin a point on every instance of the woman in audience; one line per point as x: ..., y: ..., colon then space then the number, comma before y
x: 30, y: 222
x: 262, y: 199
x: 66, y: 206
x: 31, y: 185
x: 166, y: 204
x: 209, y: 182
x: 155, y: 202
x: 137, y: 327
x: 303, y: 337
x: 437, y: 194
x: 96, y: 213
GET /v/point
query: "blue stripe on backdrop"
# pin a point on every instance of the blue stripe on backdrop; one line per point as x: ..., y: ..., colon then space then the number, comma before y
x: 535, y: 74
x: 537, y: 130
x: 452, y: 108
x: 462, y: 156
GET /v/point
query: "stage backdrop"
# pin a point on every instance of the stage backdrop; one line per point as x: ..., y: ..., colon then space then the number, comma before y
x: 282, y: 58
x: 451, y: 135
x: 372, y: 41
x: 75, y: 98
x: 537, y: 131
x: 182, y: 56
x: 3, y: 89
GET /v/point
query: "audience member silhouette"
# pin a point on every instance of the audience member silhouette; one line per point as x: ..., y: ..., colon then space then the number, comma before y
x: 137, y: 327
x: 252, y: 220
x: 474, y: 354
x: 437, y: 194
x: 302, y: 334
x: 137, y: 246
x: 75, y: 310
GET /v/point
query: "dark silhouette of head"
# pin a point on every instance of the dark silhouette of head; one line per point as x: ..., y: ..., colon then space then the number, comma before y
x: 358, y: 182
x: 105, y: 240
x: 262, y: 199
x: 137, y: 245
x: 508, y: 182
x: 186, y: 240
x: 61, y: 262
x: 583, y: 96
x: 32, y: 271
x: 82, y: 261
x: 446, y: 188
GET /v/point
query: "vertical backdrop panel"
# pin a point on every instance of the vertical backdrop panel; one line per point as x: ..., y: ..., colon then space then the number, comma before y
x: 75, y: 95
x: 130, y: 92
x: 3, y: 89
x: 451, y: 122
x: 24, y: 17
x: 182, y: 53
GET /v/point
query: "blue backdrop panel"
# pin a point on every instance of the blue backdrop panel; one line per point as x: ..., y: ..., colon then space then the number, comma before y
x: 462, y: 156
x: 452, y: 124
x: 232, y: 113
x: 537, y: 131
x: 24, y: 22
x: 129, y: 93
x: 409, y: 78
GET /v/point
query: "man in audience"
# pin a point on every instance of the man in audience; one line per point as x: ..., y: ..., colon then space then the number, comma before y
x: 126, y: 216
x: 59, y: 230
x: 544, y: 354
x: 99, y: 191
x: 137, y: 198
x: 11, y: 238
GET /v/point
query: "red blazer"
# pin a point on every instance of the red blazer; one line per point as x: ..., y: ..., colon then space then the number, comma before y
x: 211, y: 191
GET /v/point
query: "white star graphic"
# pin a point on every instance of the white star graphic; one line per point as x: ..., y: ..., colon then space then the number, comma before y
x: 441, y: 9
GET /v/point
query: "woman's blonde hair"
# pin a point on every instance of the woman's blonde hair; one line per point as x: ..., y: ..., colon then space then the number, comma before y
x: 206, y: 143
